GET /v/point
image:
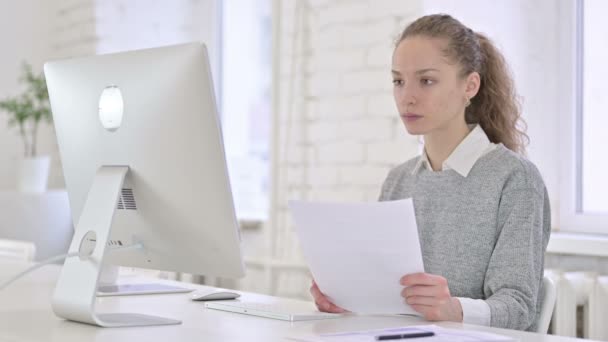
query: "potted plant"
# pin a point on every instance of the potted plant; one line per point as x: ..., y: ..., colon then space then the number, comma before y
x: 25, y: 112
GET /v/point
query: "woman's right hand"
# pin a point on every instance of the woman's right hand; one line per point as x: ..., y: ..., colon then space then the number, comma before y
x: 323, y: 304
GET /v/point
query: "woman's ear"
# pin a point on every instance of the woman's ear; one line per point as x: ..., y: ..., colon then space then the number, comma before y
x: 472, y: 84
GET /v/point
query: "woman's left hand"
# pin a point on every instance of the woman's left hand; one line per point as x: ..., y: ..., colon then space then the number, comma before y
x: 429, y: 295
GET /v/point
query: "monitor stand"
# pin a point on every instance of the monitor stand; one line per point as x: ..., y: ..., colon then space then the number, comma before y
x: 75, y: 292
x: 110, y: 284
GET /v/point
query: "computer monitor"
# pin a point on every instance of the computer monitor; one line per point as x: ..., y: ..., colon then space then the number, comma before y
x: 143, y: 159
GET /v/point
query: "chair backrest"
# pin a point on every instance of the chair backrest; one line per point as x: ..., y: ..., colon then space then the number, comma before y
x: 17, y: 250
x: 549, y: 295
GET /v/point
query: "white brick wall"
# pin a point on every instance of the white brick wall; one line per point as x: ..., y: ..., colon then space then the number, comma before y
x: 74, y: 28
x: 342, y: 120
x: 338, y: 107
x: 332, y: 154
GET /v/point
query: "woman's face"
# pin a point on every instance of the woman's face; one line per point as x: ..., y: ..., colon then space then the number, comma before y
x: 429, y: 92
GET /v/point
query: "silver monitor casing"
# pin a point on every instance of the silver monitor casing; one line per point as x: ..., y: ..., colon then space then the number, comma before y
x: 168, y: 149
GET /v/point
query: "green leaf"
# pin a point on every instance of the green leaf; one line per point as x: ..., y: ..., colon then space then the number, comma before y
x: 32, y: 105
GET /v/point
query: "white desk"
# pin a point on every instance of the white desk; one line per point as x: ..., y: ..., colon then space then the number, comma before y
x: 26, y: 315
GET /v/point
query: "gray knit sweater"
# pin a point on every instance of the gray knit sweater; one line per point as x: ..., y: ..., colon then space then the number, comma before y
x: 485, y: 233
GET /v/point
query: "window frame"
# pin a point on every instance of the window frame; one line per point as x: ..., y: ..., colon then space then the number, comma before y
x: 571, y: 217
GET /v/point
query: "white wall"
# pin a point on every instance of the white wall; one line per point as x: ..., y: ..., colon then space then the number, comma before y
x: 26, y: 32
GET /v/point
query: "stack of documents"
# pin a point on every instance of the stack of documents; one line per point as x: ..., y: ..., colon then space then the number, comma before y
x: 440, y: 334
x: 358, y: 252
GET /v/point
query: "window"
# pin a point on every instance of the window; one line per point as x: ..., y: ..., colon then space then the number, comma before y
x: 245, y: 102
x: 593, y: 107
x: 584, y: 194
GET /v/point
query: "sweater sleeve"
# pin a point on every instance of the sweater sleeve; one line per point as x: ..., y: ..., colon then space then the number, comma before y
x: 515, y: 269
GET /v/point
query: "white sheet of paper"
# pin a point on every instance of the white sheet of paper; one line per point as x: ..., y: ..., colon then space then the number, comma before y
x: 357, y: 252
x: 441, y: 335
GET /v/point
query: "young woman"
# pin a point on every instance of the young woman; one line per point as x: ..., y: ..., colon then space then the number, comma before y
x: 482, y: 208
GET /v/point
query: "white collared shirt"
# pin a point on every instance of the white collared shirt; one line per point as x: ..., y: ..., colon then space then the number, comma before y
x: 474, y: 146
